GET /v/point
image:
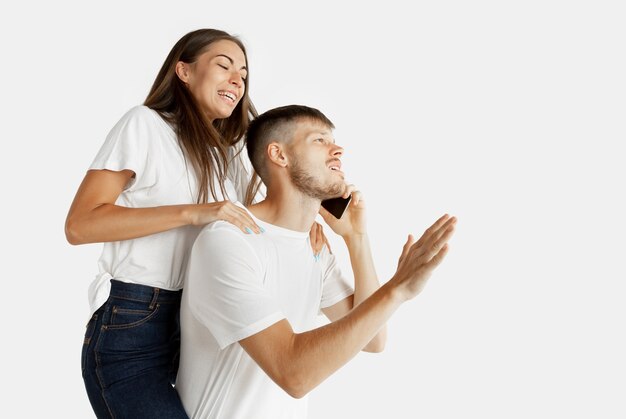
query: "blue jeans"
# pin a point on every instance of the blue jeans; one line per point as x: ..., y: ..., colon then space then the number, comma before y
x: 130, y: 354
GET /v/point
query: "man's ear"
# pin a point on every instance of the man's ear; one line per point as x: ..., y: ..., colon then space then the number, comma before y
x: 182, y: 71
x: 276, y: 154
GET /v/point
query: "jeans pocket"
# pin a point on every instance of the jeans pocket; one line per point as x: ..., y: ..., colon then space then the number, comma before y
x: 133, y: 340
x: 126, y: 317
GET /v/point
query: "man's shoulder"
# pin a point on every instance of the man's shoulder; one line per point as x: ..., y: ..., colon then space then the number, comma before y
x: 223, y: 246
x: 221, y: 230
x: 223, y: 236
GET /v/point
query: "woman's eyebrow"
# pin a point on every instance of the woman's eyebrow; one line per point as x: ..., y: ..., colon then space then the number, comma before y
x: 231, y: 60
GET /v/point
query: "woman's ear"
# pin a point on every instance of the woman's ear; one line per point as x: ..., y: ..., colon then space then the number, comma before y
x: 182, y: 71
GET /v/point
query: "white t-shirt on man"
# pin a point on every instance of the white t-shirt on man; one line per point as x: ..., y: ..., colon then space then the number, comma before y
x: 145, y: 143
x: 238, y: 285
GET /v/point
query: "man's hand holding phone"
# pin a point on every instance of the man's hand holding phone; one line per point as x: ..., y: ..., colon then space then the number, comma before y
x: 352, y: 222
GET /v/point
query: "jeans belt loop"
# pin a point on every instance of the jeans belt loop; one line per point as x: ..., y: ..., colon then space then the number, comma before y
x: 155, y: 296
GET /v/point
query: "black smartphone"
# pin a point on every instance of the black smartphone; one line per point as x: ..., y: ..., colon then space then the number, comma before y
x: 337, y: 206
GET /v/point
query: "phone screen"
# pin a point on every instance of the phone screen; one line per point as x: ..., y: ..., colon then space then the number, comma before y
x: 336, y: 206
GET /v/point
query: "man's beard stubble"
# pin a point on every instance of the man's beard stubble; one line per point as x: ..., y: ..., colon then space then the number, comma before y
x: 310, y: 186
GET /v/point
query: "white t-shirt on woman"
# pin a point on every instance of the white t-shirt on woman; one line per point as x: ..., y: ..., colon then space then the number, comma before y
x: 146, y: 144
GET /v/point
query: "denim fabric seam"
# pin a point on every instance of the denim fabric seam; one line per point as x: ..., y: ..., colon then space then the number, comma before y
x: 99, y: 369
x: 173, y: 300
x: 93, y: 320
x: 93, y: 323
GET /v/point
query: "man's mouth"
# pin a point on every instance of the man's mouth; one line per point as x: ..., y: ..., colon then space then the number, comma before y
x: 335, y: 165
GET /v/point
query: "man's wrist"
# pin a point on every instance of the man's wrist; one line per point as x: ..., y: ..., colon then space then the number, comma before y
x: 355, y: 239
x: 394, y: 291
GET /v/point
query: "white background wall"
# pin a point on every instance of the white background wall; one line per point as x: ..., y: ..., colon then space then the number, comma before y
x: 509, y: 115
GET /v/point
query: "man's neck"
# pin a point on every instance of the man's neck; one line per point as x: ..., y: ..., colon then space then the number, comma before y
x: 287, y: 209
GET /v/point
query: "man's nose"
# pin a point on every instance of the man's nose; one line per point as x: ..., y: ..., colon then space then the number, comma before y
x: 337, y: 151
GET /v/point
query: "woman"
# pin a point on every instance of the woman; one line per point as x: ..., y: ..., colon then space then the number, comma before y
x: 166, y: 168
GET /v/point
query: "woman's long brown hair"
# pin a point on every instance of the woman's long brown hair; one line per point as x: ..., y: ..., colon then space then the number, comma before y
x: 204, y: 143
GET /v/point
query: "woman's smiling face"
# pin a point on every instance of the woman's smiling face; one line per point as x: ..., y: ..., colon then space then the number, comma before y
x: 217, y: 78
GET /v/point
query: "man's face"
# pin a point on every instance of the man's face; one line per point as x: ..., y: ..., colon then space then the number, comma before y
x: 315, y: 165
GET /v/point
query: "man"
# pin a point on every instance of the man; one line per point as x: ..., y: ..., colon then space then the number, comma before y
x: 250, y: 348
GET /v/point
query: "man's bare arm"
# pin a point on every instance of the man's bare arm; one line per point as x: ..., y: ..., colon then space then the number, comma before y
x: 352, y: 228
x: 365, y: 284
x: 298, y: 362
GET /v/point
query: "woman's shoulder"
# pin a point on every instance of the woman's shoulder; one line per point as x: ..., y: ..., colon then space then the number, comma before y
x: 140, y: 112
x: 141, y: 115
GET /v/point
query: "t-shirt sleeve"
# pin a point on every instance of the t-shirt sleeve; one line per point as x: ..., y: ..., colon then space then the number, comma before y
x: 225, y: 289
x: 336, y: 286
x: 131, y: 145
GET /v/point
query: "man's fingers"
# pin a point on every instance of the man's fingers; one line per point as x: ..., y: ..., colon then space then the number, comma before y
x: 432, y: 229
x: 357, y: 197
x: 410, y: 240
x: 449, y: 224
x: 439, y: 236
x: 433, y: 240
x: 438, y: 224
x: 437, y: 258
x: 405, y: 249
x: 435, y: 232
x: 347, y: 191
x: 431, y: 249
x: 445, y: 237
